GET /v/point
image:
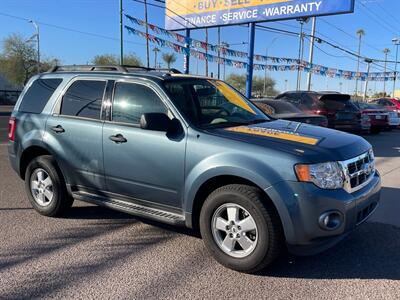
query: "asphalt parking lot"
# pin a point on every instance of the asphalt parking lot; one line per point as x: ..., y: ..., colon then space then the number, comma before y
x: 97, y: 253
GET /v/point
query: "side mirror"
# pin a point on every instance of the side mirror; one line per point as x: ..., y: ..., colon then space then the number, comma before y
x: 155, y: 121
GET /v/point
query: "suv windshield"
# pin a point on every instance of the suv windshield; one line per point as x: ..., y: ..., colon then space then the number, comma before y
x: 211, y: 103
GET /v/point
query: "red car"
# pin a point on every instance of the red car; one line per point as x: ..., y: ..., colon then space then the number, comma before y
x: 390, y: 104
x: 378, y: 115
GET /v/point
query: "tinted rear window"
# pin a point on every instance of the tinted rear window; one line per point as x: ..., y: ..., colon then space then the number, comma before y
x: 83, y: 99
x: 38, y: 94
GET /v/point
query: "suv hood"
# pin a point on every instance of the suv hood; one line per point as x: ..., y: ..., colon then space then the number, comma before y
x: 313, y: 142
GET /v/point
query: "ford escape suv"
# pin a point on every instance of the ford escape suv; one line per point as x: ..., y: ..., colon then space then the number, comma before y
x: 191, y: 151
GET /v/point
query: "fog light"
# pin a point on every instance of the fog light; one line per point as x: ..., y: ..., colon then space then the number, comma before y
x: 330, y: 220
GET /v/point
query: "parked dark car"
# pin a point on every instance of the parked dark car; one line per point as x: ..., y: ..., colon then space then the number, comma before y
x: 287, y: 111
x: 378, y: 115
x: 342, y: 114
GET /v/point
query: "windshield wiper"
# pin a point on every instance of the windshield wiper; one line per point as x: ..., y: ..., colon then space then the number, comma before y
x: 225, y: 124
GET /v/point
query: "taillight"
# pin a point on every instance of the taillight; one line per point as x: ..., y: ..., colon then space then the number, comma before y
x: 12, y: 124
x: 320, y: 112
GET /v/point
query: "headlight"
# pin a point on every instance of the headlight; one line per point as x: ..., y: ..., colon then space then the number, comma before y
x: 324, y: 175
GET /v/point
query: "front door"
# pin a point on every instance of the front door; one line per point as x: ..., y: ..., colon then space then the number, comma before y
x: 142, y: 164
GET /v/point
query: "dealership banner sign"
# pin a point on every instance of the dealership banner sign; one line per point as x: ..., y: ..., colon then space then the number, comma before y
x: 303, y: 66
x: 181, y: 14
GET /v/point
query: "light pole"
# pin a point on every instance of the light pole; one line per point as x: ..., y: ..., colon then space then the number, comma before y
x: 368, y: 61
x: 386, y: 51
x: 360, y: 34
x: 266, y: 65
x: 396, y: 42
x: 38, y: 43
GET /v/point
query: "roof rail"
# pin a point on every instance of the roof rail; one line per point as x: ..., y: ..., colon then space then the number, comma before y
x: 88, y: 68
x: 170, y: 70
x: 107, y: 68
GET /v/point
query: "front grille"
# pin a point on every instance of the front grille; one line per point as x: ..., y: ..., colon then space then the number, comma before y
x: 366, y: 212
x: 358, y: 171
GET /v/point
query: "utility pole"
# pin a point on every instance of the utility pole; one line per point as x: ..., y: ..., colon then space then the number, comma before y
x: 156, y: 50
x: 147, y: 35
x: 311, y: 55
x: 360, y: 34
x: 301, y: 51
x: 38, y: 44
x: 121, y: 32
x: 386, y: 51
x: 368, y: 61
x: 219, y: 51
x: 396, y: 41
x: 206, y: 51
x: 266, y: 65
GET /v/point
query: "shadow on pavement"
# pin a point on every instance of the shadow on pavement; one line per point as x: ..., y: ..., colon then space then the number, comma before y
x: 372, y: 251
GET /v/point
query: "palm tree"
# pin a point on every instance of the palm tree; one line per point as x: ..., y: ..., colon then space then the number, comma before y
x: 386, y: 51
x: 360, y: 33
x: 169, y: 59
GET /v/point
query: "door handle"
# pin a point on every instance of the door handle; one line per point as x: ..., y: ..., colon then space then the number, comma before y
x: 58, y: 129
x: 119, y: 138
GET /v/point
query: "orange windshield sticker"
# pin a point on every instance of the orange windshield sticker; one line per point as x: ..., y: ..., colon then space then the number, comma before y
x: 278, y: 134
x: 231, y: 95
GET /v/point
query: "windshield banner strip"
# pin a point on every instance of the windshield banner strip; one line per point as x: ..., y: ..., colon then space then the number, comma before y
x: 278, y: 134
x: 231, y: 95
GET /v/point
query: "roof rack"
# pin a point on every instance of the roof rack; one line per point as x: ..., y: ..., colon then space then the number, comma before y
x: 107, y: 68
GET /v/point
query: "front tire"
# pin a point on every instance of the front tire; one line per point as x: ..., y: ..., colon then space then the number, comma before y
x: 46, y: 188
x: 240, y: 228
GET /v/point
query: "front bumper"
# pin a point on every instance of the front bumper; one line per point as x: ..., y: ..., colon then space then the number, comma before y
x: 301, y: 204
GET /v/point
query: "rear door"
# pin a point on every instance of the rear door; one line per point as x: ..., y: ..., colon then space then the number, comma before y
x: 147, y: 165
x: 74, y: 132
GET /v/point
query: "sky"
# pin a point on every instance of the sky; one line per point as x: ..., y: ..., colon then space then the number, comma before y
x: 74, y: 31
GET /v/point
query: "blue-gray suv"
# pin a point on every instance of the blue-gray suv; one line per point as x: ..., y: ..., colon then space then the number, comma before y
x: 192, y: 151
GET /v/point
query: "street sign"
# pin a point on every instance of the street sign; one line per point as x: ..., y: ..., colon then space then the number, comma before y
x: 183, y: 14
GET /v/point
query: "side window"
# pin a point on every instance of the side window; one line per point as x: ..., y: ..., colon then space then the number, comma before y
x: 38, y: 94
x: 132, y: 100
x: 83, y: 99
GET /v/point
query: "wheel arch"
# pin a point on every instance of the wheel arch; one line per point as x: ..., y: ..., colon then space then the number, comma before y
x: 32, y: 152
x: 214, y: 183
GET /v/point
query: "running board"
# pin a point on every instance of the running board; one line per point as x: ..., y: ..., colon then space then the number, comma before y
x: 131, y: 208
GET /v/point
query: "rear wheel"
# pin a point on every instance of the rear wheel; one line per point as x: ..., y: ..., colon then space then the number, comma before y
x: 46, y: 188
x: 240, y: 229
